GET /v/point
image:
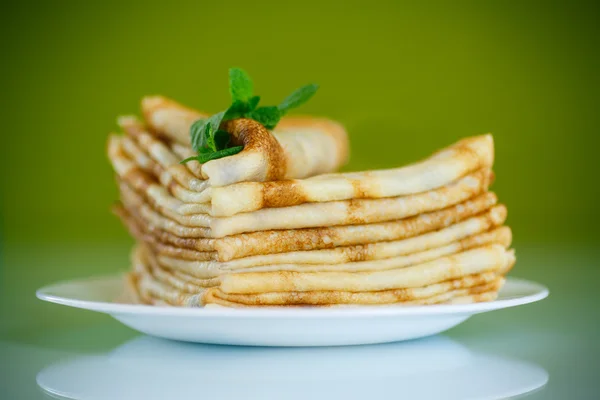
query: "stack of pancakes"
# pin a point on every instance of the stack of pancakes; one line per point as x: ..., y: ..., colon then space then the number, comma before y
x: 273, y: 226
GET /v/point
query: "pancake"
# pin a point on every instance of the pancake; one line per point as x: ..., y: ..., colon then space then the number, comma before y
x: 275, y: 226
x: 444, y: 167
x: 472, y: 226
x: 477, y: 283
x: 192, y: 214
x: 297, y: 148
x: 192, y: 281
x: 471, y: 288
x: 160, y: 153
x: 389, y: 254
x: 133, y: 164
x: 492, y: 257
x: 346, y: 212
x: 483, y: 293
x: 282, y: 241
x: 206, y: 272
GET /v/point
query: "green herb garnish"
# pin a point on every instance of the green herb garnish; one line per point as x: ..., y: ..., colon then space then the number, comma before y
x: 211, y: 143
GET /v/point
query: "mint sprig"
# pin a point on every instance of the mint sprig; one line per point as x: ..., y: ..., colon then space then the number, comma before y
x: 268, y: 116
x: 241, y: 87
x: 206, y: 157
x: 211, y: 143
x: 298, y: 97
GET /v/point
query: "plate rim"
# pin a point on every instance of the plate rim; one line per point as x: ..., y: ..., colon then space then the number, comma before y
x: 539, y: 292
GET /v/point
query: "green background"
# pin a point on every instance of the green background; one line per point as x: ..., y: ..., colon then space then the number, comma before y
x: 406, y: 78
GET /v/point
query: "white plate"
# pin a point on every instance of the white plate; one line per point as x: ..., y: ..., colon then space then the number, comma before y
x: 149, y: 368
x: 282, y: 327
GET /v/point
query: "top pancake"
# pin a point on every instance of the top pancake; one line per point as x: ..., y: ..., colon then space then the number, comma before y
x: 297, y: 148
x: 140, y: 159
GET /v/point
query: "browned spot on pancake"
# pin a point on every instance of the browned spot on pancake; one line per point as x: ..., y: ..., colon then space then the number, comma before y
x: 466, y: 152
x: 287, y: 277
x: 271, y: 242
x: 485, y: 287
x: 497, y: 215
x: 355, y: 209
x: 501, y: 236
x: 356, y: 253
x: 178, y: 252
x: 483, y: 177
x: 491, y: 177
x: 483, y: 297
x: 256, y: 138
x: 454, y: 268
x: 133, y: 127
x: 172, y: 186
x: 360, y: 188
x: 138, y: 179
x: 488, y: 177
x: 282, y: 194
x: 156, y: 169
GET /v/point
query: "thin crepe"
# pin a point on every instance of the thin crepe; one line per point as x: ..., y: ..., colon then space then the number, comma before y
x: 461, y: 234
x: 474, y: 225
x: 282, y: 241
x: 133, y: 163
x: 181, y: 276
x: 470, y: 288
x: 207, y: 271
x: 492, y: 258
x: 479, y: 294
x: 154, y: 284
x: 190, y: 214
x: 161, y: 154
x: 479, y: 282
x: 144, y: 182
x: 346, y: 212
x: 298, y: 148
x: 442, y: 168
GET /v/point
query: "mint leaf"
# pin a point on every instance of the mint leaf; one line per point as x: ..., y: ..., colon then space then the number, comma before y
x: 222, y: 139
x: 298, y: 97
x: 268, y: 116
x: 197, y: 133
x: 205, y: 157
x: 209, y: 138
x: 211, y: 143
x: 253, y: 102
x: 215, y: 121
x: 202, y: 132
x: 239, y: 109
x: 240, y: 85
x: 220, y: 154
x: 236, y: 110
x: 187, y: 160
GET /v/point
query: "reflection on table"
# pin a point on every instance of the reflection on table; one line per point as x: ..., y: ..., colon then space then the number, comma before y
x: 149, y: 368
